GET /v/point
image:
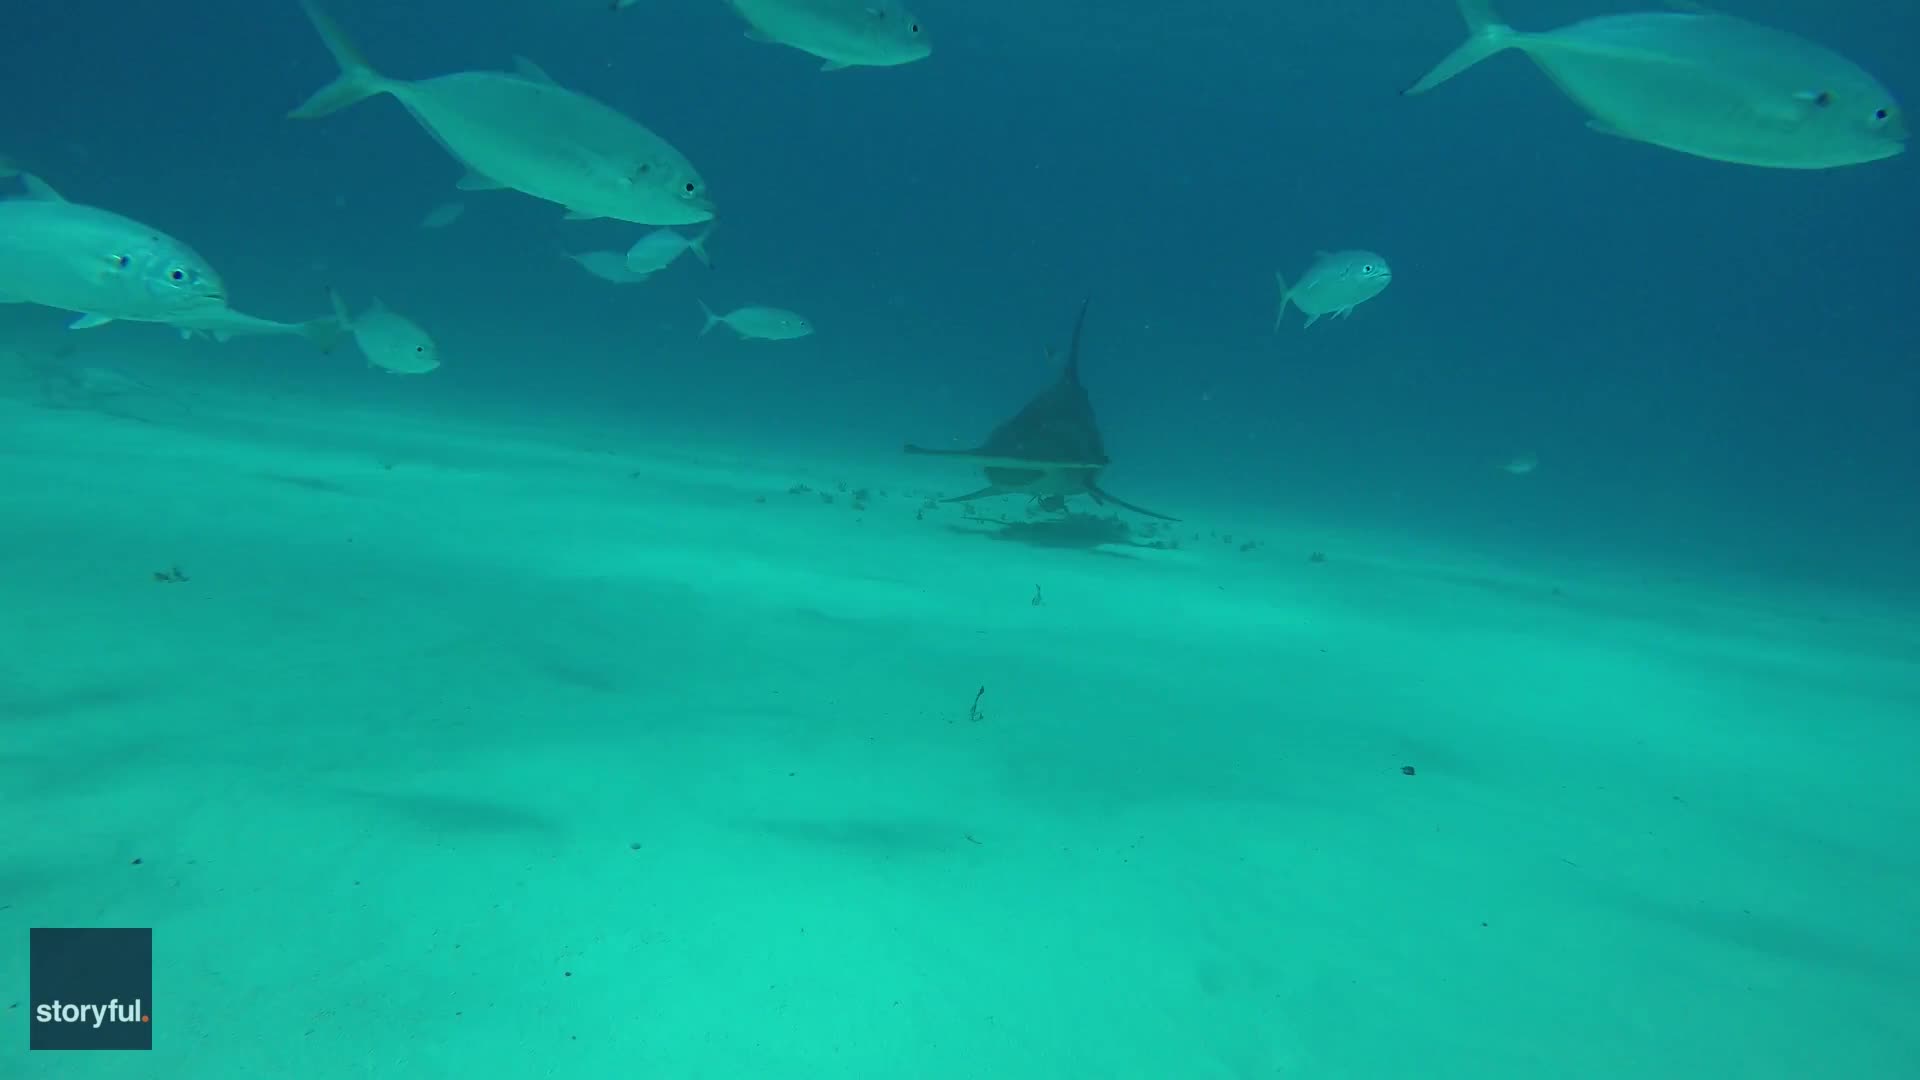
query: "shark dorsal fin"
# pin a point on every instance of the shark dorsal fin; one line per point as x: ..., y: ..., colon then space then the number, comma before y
x: 1071, y: 372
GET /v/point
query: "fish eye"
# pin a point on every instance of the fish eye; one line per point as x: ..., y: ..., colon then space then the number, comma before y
x: 1880, y: 114
x: 691, y: 188
x: 1823, y: 99
x: 123, y: 261
x: 914, y: 28
x: 178, y: 274
x: 1367, y: 269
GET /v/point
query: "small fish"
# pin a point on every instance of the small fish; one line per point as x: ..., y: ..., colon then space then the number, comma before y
x: 1708, y: 85
x: 390, y: 341
x: 98, y: 264
x: 842, y: 33
x: 1334, y: 284
x: 608, y: 266
x: 762, y: 323
x: 658, y: 249
x: 443, y: 215
x: 526, y: 132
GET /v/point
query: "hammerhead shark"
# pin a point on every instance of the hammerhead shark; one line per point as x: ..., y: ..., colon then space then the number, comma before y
x: 1050, y: 449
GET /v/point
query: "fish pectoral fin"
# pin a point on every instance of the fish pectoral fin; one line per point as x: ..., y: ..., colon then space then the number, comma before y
x: 1601, y: 127
x: 582, y: 215
x: 473, y: 181
x: 88, y: 322
x: 834, y: 65
x: 758, y: 37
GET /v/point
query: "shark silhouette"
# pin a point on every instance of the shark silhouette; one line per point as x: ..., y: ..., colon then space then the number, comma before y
x: 1050, y: 449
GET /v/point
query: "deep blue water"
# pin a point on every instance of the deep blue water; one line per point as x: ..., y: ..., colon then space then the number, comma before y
x: 1716, y: 364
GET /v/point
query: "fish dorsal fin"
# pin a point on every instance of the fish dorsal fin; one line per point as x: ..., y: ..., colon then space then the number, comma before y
x: 40, y: 189
x: 527, y: 69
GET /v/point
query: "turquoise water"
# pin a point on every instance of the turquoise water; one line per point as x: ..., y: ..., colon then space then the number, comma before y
x: 618, y: 700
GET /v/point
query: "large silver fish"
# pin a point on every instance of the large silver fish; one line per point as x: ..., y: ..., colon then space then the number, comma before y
x: 842, y: 33
x: 98, y: 264
x: 1709, y: 85
x: 526, y: 132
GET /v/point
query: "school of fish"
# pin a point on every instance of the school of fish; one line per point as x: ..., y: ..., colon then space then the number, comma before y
x: 1695, y: 82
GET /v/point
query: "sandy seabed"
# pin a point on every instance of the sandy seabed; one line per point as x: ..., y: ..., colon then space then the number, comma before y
x: 468, y: 749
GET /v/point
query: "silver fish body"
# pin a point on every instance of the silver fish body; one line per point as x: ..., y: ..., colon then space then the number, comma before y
x: 842, y: 33
x: 756, y: 322
x: 525, y: 132
x: 99, y: 264
x: 1335, y: 283
x: 1712, y: 86
x: 608, y: 266
x: 390, y: 341
x: 660, y: 248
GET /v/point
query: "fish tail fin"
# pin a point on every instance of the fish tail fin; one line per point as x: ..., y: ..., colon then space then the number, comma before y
x: 326, y: 331
x: 357, y: 80
x: 1285, y: 295
x: 1486, y: 36
x: 712, y: 319
x: 698, y: 245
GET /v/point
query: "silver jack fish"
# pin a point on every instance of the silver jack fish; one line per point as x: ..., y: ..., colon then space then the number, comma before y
x: 842, y: 33
x: 1712, y: 86
x: 755, y: 322
x: 389, y: 340
x: 99, y: 264
x: 1335, y: 283
x: 107, y: 268
x: 526, y: 132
